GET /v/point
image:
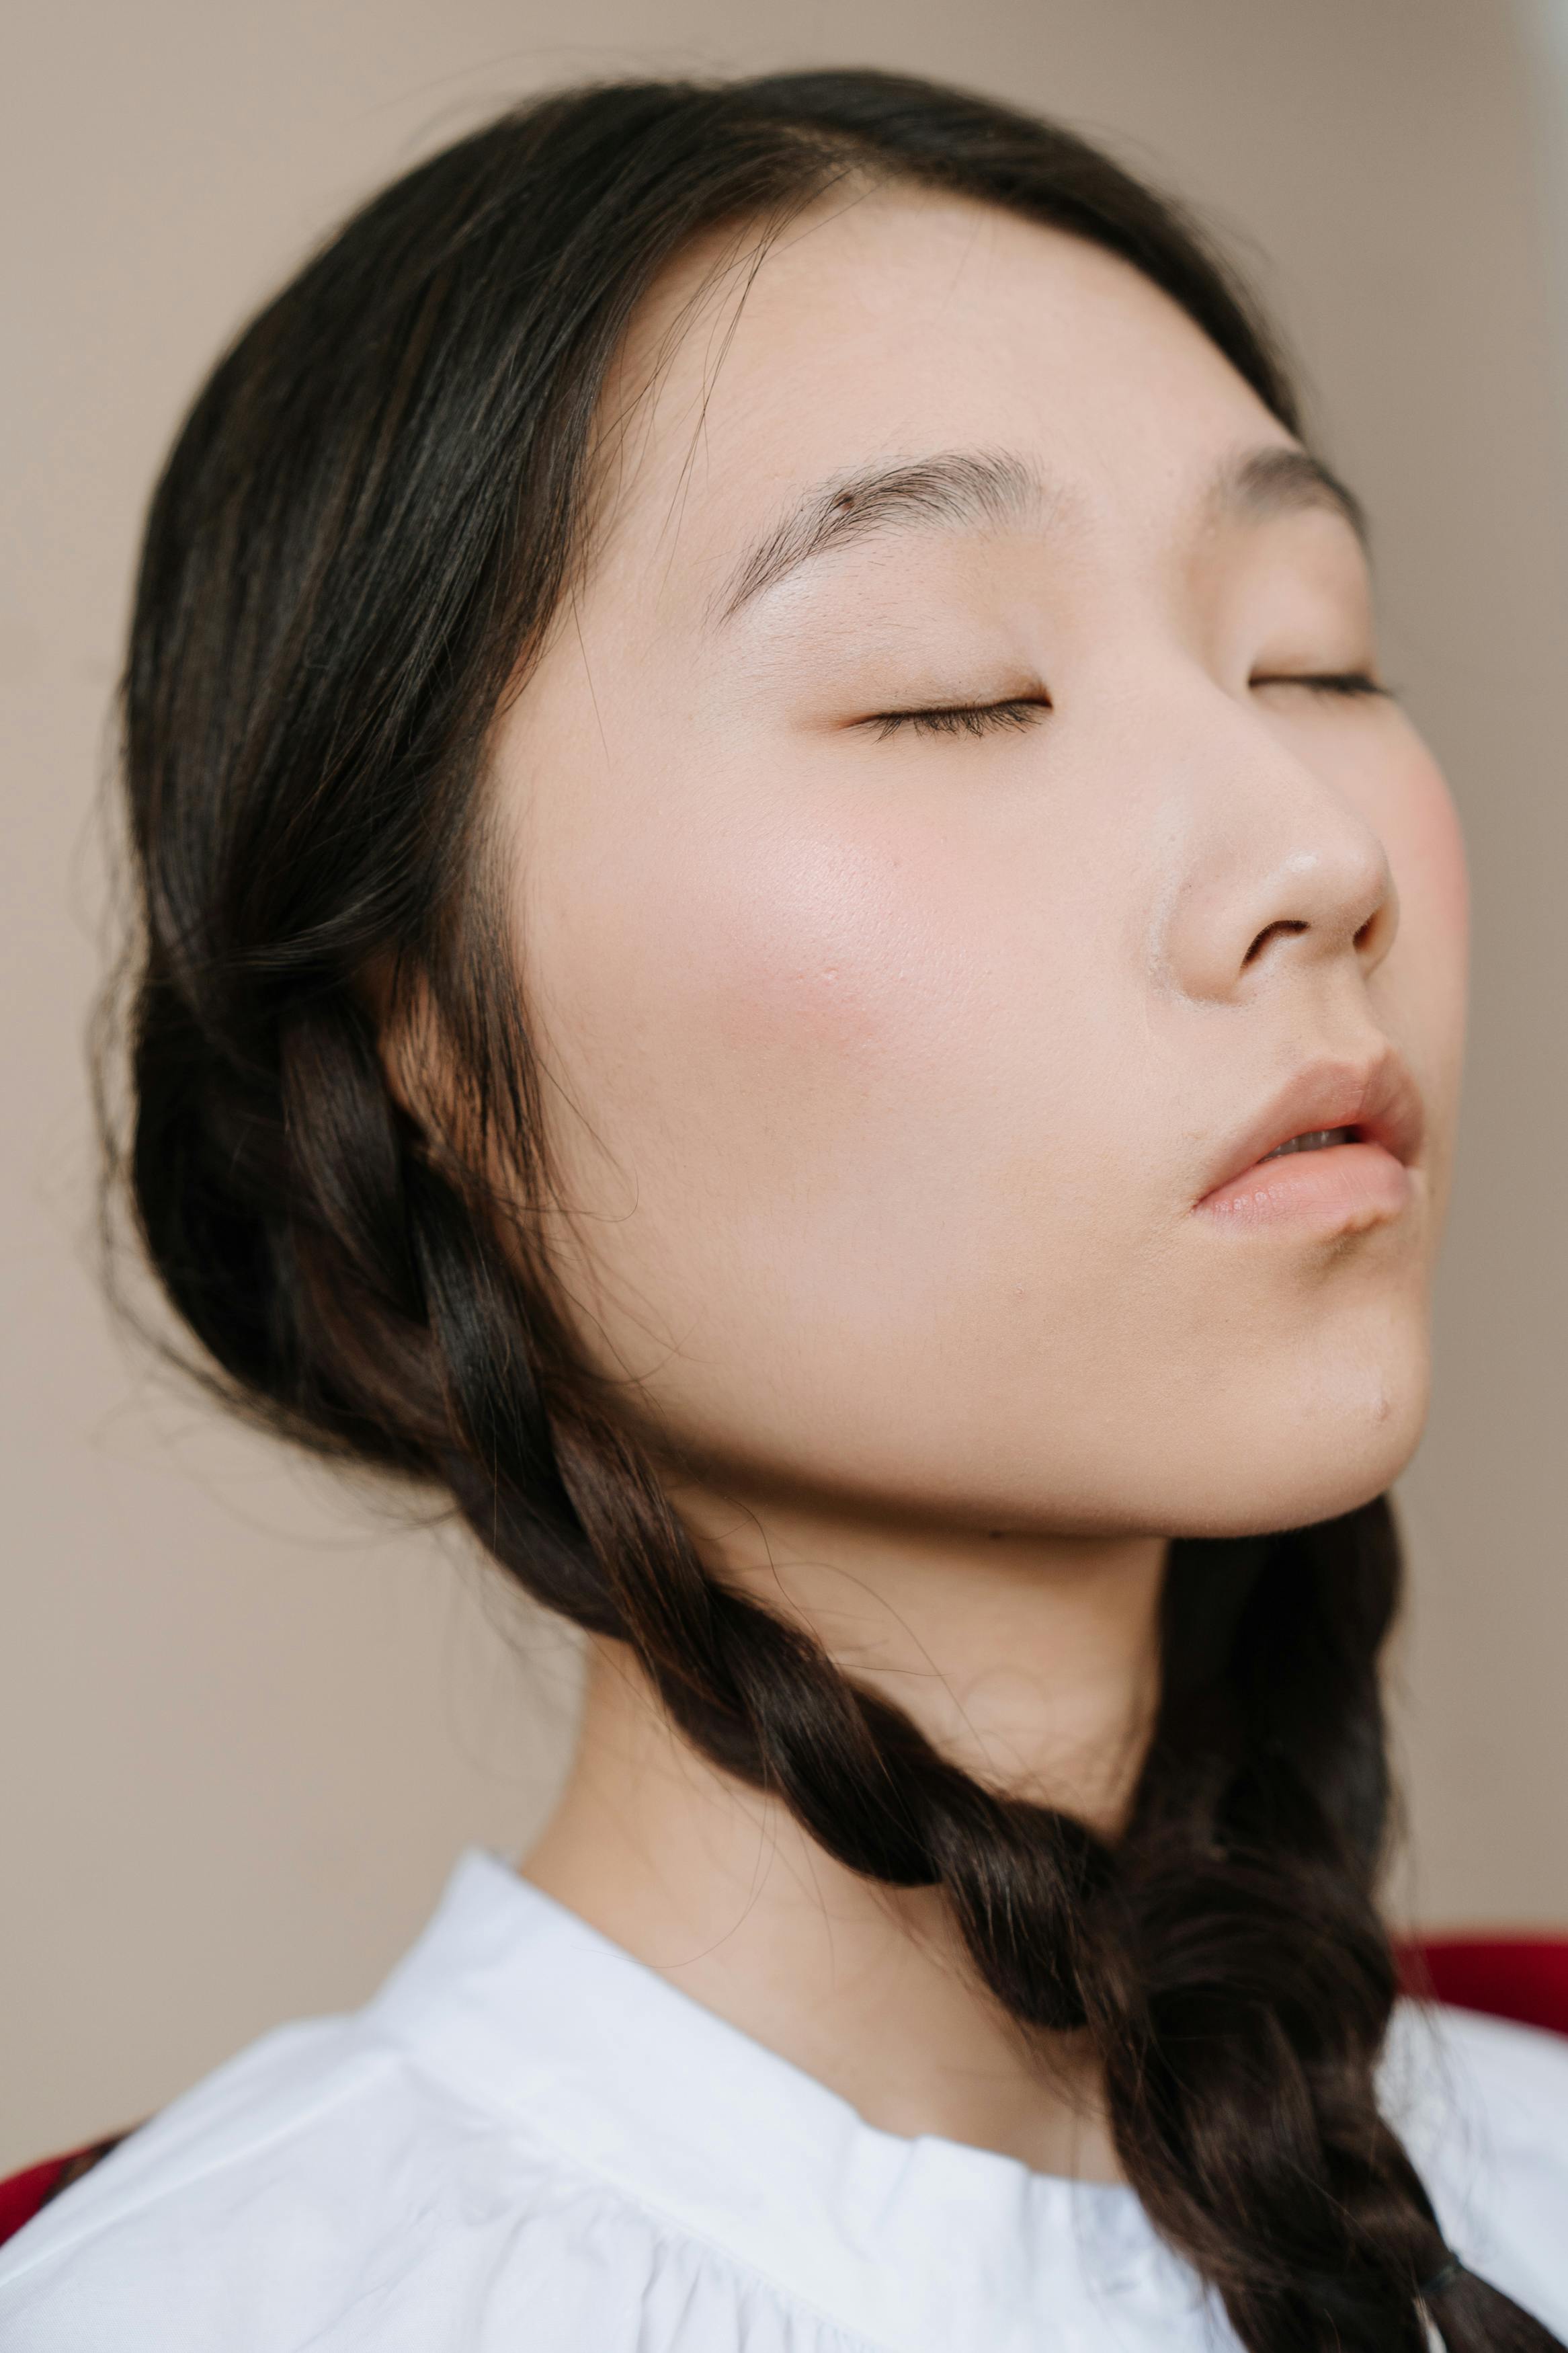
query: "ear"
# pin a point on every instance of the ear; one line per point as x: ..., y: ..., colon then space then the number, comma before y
x: 416, y: 1062
x: 433, y: 1084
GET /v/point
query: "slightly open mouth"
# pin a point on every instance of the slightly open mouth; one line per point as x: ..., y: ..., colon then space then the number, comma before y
x: 1316, y: 1141
x: 1352, y: 1182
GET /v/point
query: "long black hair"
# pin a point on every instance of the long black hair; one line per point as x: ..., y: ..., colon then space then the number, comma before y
x: 365, y: 526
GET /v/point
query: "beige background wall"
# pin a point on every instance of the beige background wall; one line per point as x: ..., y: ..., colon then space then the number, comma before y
x: 242, y: 1726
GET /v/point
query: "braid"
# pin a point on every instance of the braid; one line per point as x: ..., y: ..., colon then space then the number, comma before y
x: 1257, y: 1980
x: 1238, y: 2052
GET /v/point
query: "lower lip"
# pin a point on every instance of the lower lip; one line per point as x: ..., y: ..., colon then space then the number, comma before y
x: 1338, y: 1189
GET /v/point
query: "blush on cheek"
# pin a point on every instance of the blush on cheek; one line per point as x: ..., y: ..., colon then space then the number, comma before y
x: 1433, y: 951
x: 1439, y: 845
x: 820, y: 948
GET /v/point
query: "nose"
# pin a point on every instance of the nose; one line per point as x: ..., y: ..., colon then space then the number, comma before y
x: 1278, y: 866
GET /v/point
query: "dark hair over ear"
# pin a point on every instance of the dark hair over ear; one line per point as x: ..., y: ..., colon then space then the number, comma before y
x: 366, y: 523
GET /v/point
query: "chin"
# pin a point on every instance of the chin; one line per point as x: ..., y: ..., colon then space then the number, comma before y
x: 1325, y: 1448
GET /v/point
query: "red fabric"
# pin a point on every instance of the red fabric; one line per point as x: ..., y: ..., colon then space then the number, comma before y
x: 24, y: 2193
x: 1521, y: 1977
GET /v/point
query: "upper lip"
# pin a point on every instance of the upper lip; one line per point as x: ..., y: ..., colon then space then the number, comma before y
x: 1377, y: 1097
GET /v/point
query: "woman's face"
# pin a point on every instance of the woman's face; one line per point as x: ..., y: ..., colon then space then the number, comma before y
x: 889, y: 1059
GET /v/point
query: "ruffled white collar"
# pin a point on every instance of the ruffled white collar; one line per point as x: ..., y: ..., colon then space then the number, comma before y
x: 521, y: 2005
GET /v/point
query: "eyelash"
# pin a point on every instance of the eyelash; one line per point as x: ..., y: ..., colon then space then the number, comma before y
x: 1336, y: 681
x: 960, y: 719
x: 996, y: 718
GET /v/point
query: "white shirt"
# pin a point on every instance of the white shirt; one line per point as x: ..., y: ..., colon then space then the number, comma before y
x: 530, y: 2143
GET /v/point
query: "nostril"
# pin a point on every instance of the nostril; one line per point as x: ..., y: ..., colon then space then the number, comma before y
x: 1256, y: 950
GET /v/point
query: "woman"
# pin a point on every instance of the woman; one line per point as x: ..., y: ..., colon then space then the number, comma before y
x: 794, y: 946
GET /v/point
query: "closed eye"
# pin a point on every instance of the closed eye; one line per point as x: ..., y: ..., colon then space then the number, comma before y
x: 1019, y: 711
x: 1333, y: 681
x: 962, y: 718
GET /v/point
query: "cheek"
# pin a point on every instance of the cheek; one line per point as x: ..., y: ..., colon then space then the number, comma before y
x: 819, y: 1016
x: 918, y: 987
x: 1438, y: 846
x: 815, y: 1004
x: 1419, y: 992
x: 719, y: 996
x: 814, y: 958
x: 1427, y: 850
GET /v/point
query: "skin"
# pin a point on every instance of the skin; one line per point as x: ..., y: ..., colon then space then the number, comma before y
x: 886, y: 1065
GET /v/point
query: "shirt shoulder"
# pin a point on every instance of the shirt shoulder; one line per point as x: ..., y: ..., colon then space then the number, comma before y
x: 323, y: 2188
x: 1482, y: 2104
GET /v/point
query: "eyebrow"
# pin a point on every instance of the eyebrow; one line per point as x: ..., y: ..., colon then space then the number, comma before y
x: 950, y: 490
x: 1285, y: 481
x: 979, y: 489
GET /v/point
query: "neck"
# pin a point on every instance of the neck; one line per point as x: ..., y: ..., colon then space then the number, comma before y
x: 1031, y: 1661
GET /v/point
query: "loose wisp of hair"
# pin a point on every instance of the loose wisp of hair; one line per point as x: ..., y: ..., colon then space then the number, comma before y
x: 367, y: 523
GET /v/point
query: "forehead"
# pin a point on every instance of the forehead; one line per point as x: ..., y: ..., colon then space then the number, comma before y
x: 894, y: 321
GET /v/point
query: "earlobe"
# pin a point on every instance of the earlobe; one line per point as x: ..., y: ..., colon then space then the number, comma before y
x: 409, y: 1038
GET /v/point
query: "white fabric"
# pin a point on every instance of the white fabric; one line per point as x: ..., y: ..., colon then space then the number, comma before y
x: 528, y: 2143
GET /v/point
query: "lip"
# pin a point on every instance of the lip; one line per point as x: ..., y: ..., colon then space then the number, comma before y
x: 1339, y: 1187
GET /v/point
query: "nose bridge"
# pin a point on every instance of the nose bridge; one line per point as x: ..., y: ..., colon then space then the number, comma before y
x: 1270, y: 860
